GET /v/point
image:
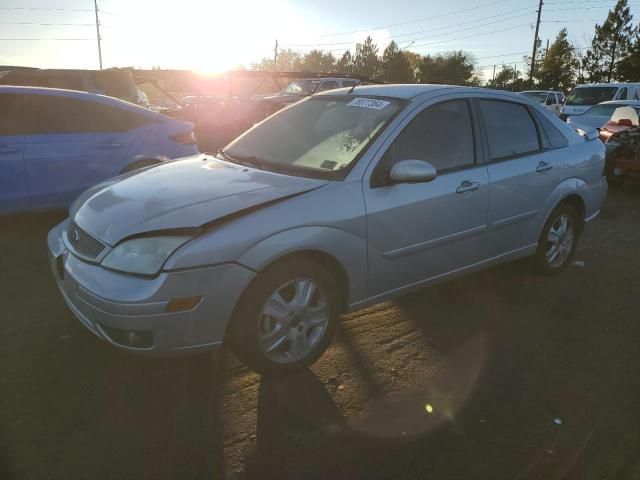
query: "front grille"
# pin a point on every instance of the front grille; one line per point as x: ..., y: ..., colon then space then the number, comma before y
x: 83, y: 243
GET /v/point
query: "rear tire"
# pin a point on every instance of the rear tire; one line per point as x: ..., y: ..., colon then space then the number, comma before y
x: 558, y: 240
x: 286, y: 318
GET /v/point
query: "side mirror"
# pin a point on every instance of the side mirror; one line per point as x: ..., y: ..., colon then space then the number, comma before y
x: 412, y: 171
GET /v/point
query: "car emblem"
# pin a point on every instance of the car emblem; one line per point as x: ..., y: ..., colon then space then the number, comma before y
x: 75, y: 236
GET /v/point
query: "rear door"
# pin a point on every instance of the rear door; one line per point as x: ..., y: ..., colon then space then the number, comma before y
x: 72, y: 145
x: 14, y: 195
x: 523, y: 171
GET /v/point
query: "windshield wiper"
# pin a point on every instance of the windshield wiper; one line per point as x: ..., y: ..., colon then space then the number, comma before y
x: 247, y: 161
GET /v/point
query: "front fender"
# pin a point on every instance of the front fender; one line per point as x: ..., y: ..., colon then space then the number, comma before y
x: 349, y: 250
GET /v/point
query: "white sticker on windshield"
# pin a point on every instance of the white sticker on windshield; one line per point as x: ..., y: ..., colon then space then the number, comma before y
x: 368, y: 103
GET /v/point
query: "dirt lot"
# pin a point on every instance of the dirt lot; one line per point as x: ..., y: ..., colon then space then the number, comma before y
x: 500, y: 375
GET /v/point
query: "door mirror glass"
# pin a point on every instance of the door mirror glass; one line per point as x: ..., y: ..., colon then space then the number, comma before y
x: 412, y: 171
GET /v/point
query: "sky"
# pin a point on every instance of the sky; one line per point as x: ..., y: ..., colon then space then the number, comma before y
x: 216, y: 35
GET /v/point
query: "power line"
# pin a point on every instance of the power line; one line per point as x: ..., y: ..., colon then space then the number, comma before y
x: 393, y: 37
x: 47, y: 9
x: 412, y: 21
x: 44, y: 39
x: 49, y: 24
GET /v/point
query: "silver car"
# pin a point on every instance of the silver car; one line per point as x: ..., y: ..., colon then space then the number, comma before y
x: 341, y: 201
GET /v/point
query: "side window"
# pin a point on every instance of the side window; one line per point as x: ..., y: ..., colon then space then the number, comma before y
x: 349, y: 83
x: 330, y: 85
x: 622, y: 94
x: 554, y: 136
x: 58, y: 114
x: 441, y: 134
x: 12, y: 116
x: 552, y: 99
x: 510, y: 129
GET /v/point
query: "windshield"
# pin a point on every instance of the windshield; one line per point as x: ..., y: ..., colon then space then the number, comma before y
x: 591, y: 95
x: 302, y: 87
x: 319, y: 137
x: 536, y: 96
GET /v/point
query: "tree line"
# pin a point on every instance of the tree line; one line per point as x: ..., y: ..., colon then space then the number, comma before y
x: 614, y: 54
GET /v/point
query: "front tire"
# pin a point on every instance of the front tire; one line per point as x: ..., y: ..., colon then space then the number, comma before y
x: 558, y: 240
x: 286, y: 319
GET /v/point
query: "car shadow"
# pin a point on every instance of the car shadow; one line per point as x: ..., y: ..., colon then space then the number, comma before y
x: 502, y: 402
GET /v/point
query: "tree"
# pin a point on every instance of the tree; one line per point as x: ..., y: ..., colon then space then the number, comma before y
x: 629, y: 66
x: 414, y: 59
x: 455, y: 68
x: 317, y: 61
x: 366, y: 62
x: 509, y: 78
x: 345, y: 64
x: 610, y: 44
x: 558, y: 67
x: 287, y: 61
x: 395, y: 65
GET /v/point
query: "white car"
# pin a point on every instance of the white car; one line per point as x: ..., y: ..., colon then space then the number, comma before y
x: 583, y: 97
x: 600, y: 114
x: 551, y: 100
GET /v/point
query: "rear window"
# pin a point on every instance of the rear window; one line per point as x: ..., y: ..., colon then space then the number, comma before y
x: 591, y: 95
x: 510, y: 129
x: 12, y: 121
x: 57, y: 114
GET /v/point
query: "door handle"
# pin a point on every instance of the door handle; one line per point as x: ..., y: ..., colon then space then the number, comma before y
x: 467, y: 186
x: 9, y: 149
x: 543, y: 167
x: 108, y: 146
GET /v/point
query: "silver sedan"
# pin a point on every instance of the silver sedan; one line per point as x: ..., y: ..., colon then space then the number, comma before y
x: 341, y: 201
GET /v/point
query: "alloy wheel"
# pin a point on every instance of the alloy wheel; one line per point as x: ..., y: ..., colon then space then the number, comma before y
x: 293, y: 321
x: 560, y: 240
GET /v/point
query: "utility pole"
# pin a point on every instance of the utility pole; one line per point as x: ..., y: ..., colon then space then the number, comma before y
x: 494, y: 74
x: 95, y: 7
x: 535, y: 44
x: 275, y: 54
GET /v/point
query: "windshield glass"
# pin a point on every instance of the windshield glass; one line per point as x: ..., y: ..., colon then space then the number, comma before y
x: 591, y: 95
x: 536, y: 96
x: 302, y: 87
x: 319, y: 137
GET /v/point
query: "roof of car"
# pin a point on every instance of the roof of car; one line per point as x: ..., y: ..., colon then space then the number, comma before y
x: 409, y: 91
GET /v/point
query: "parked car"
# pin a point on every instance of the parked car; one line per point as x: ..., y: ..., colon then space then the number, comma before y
x: 56, y: 143
x: 550, y: 99
x: 600, y: 114
x: 341, y: 201
x: 623, y: 118
x: 623, y: 156
x: 299, y: 89
x: 112, y: 82
x: 583, y: 97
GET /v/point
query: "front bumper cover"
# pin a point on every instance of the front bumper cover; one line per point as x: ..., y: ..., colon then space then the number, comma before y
x: 106, y: 301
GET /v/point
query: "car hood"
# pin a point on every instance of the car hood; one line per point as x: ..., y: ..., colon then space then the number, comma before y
x: 182, y: 194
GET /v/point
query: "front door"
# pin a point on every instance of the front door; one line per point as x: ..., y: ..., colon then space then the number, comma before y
x: 73, y: 144
x: 423, y: 230
x: 14, y: 195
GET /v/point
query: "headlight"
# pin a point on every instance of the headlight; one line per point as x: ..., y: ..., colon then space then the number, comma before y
x: 144, y: 255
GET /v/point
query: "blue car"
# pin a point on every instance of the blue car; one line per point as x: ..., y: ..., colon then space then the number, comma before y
x: 54, y: 144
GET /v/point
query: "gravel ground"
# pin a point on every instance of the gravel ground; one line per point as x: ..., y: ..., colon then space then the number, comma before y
x: 502, y: 374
